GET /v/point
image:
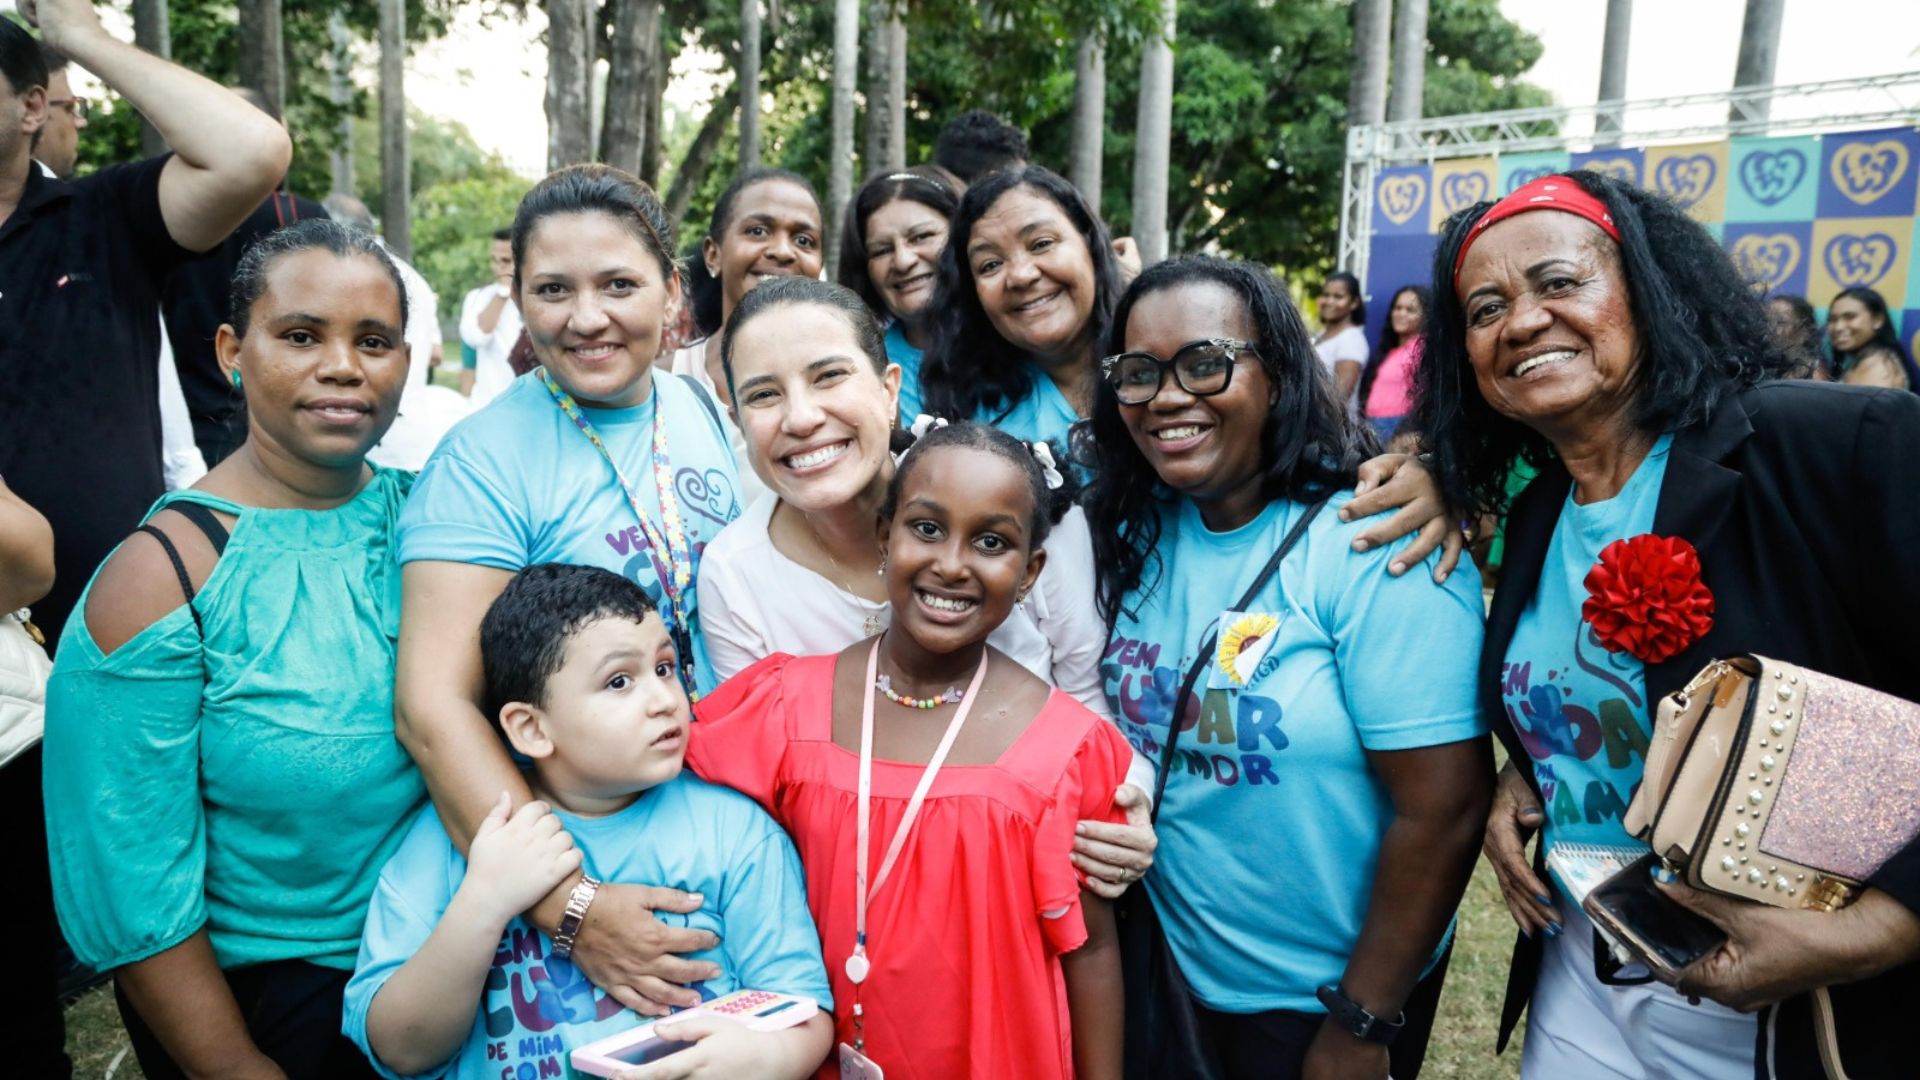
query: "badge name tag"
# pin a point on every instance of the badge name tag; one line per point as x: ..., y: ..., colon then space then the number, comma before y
x: 855, y: 1065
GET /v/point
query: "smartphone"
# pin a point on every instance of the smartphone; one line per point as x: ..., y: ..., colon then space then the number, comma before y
x: 761, y: 1010
x: 1666, y: 936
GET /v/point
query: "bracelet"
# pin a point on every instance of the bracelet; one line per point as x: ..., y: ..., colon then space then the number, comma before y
x: 578, y: 901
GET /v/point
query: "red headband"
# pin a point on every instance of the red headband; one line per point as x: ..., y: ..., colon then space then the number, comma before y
x: 1547, y: 193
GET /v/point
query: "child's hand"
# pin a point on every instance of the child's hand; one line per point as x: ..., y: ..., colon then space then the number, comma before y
x: 514, y: 861
x: 721, y: 1048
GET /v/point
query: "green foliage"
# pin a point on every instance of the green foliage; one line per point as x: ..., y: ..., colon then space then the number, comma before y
x: 453, y: 224
x: 441, y: 152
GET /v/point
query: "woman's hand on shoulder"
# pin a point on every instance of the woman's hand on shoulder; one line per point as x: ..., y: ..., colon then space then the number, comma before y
x: 1400, y: 483
x: 1515, y: 817
x: 1112, y: 856
x: 633, y: 956
x: 137, y: 586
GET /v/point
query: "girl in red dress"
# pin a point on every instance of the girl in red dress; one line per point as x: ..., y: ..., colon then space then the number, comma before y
x: 932, y: 786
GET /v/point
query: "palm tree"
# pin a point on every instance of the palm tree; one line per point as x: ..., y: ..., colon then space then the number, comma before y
x: 846, y: 66
x: 1089, y: 115
x: 623, y: 129
x: 1759, y: 48
x: 1367, y: 92
x: 569, y: 126
x: 396, y: 175
x: 749, y: 84
x: 1409, y: 60
x: 1151, y: 159
x: 151, y: 32
x: 262, y: 60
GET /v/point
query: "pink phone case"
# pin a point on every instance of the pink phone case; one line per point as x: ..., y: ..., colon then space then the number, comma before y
x: 761, y: 1010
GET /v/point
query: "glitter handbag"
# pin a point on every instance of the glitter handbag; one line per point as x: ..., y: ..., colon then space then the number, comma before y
x: 1769, y: 782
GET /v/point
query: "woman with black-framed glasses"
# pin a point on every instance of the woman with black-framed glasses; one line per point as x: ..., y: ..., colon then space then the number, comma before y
x: 1318, y: 818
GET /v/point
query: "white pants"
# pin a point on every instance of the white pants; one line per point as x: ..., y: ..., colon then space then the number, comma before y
x: 1579, y: 1027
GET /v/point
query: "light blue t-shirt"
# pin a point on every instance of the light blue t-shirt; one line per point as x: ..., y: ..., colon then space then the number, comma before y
x: 1272, y: 821
x: 1580, y: 710
x: 517, y: 484
x: 902, y: 352
x: 537, y: 1008
x: 1044, y: 415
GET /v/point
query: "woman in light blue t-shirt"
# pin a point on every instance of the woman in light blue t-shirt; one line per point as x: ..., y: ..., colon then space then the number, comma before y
x: 890, y: 254
x: 1319, y: 817
x: 1027, y: 282
x: 595, y: 458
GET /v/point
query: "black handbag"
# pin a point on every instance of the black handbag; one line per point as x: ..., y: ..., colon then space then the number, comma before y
x: 1163, y: 1040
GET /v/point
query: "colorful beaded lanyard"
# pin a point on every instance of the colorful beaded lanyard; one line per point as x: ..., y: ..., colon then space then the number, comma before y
x: 672, y: 547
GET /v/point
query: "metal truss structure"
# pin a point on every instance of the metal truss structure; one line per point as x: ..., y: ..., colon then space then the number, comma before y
x: 1840, y: 104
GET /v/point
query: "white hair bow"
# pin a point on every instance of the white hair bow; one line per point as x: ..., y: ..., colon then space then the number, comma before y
x: 1048, y: 469
x: 924, y: 423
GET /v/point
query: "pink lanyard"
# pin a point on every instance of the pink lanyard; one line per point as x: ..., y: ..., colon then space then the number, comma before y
x: 857, y: 966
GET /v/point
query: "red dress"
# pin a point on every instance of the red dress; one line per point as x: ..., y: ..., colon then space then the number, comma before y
x: 966, y: 978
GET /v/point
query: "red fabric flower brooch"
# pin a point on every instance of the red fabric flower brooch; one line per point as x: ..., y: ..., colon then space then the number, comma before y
x: 1645, y: 597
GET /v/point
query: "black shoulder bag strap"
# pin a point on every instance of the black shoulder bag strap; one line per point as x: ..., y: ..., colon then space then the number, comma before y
x: 1205, y: 655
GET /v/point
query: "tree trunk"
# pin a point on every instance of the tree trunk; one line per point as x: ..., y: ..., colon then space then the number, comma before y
x: 1613, y: 65
x: 1089, y: 115
x: 262, y: 61
x: 1409, y: 60
x: 1153, y: 146
x: 1759, y: 48
x: 846, y: 66
x: 569, y: 128
x: 152, y: 33
x: 874, y: 149
x: 1367, y: 92
x: 340, y: 90
x: 693, y: 168
x: 653, y: 125
x: 749, y: 84
x: 896, y: 148
x: 623, y: 132
x: 396, y: 174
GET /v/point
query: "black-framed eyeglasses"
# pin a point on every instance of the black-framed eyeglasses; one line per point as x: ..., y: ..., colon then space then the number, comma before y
x: 76, y: 105
x: 1202, y: 368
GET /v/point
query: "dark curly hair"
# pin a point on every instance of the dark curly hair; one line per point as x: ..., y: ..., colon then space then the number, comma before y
x: 969, y: 368
x: 1049, y: 504
x: 1702, y: 333
x: 524, y: 634
x: 910, y: 184
x: 1310, y: 445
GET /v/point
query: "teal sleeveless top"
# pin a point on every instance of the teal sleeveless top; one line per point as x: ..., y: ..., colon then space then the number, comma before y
x: 251, y: 783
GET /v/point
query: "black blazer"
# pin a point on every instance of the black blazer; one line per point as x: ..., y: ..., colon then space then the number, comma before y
x: 1803, y: 500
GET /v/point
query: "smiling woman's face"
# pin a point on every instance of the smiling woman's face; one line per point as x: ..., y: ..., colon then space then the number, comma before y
x: 1033, y: 274
x: 1550, y: 330
x: 904, y: 241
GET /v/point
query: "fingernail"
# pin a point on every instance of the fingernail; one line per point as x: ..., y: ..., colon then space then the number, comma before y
x: 1662, y: 875
x: 1344, y: 516
x: 1553, y: 929
x: 698, y: 898
x: 1361, y: 545
x: 1080, y: 829
x: 1397, y: 567
x: 1547, y: 900
x: 1526, y: 933
x: 1440, y: 578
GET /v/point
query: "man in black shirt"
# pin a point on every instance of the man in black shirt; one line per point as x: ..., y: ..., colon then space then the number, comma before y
x: 195, y: 304
x: 81, y: 264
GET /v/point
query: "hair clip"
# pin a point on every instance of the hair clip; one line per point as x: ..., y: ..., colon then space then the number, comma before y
x: 916, y: 176
x: 924, y: 423
x: 1048, y: 469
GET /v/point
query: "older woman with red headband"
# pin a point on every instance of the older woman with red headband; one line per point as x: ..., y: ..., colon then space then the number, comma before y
x: 1611, y: 344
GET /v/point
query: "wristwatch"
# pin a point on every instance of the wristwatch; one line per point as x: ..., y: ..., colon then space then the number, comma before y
x: 1357, y: 1021
x: 578, y: 901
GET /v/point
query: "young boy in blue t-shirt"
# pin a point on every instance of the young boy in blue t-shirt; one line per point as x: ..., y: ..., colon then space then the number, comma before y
x: 452, y: 981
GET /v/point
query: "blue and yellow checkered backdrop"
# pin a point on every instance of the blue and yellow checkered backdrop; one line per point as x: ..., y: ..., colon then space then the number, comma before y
x: 1809, y: 215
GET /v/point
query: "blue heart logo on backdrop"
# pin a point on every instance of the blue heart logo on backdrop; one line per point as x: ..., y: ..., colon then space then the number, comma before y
x: 1622, y: 169
x: 1866, y: 171
x: 1520, y: 178
x: 1400, y: 196
x: 1686, y: 179
x: 1857, y: 260
x: 1767, y: 261
x: 1772, y: 175
x: 1461, y: 190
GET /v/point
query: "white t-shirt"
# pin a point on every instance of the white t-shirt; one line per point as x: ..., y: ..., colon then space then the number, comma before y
x: 491, y: 371
x: 1347, y: 346
x: 691, y: 360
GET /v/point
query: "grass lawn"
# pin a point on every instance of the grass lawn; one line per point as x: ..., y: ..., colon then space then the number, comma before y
x: 1463, y: 1034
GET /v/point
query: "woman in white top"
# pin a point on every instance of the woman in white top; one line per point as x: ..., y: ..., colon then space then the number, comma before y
x: 1342, y: 344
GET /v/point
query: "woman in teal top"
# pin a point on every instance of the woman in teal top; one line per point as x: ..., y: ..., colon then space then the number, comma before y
x: 1028, y: 281
x: 890, y: 254
x: 222, y: 780
x: 1319, y: 817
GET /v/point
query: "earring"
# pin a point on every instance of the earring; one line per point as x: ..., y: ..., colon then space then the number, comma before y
x: 236, y: 378
x: 883, y: 566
